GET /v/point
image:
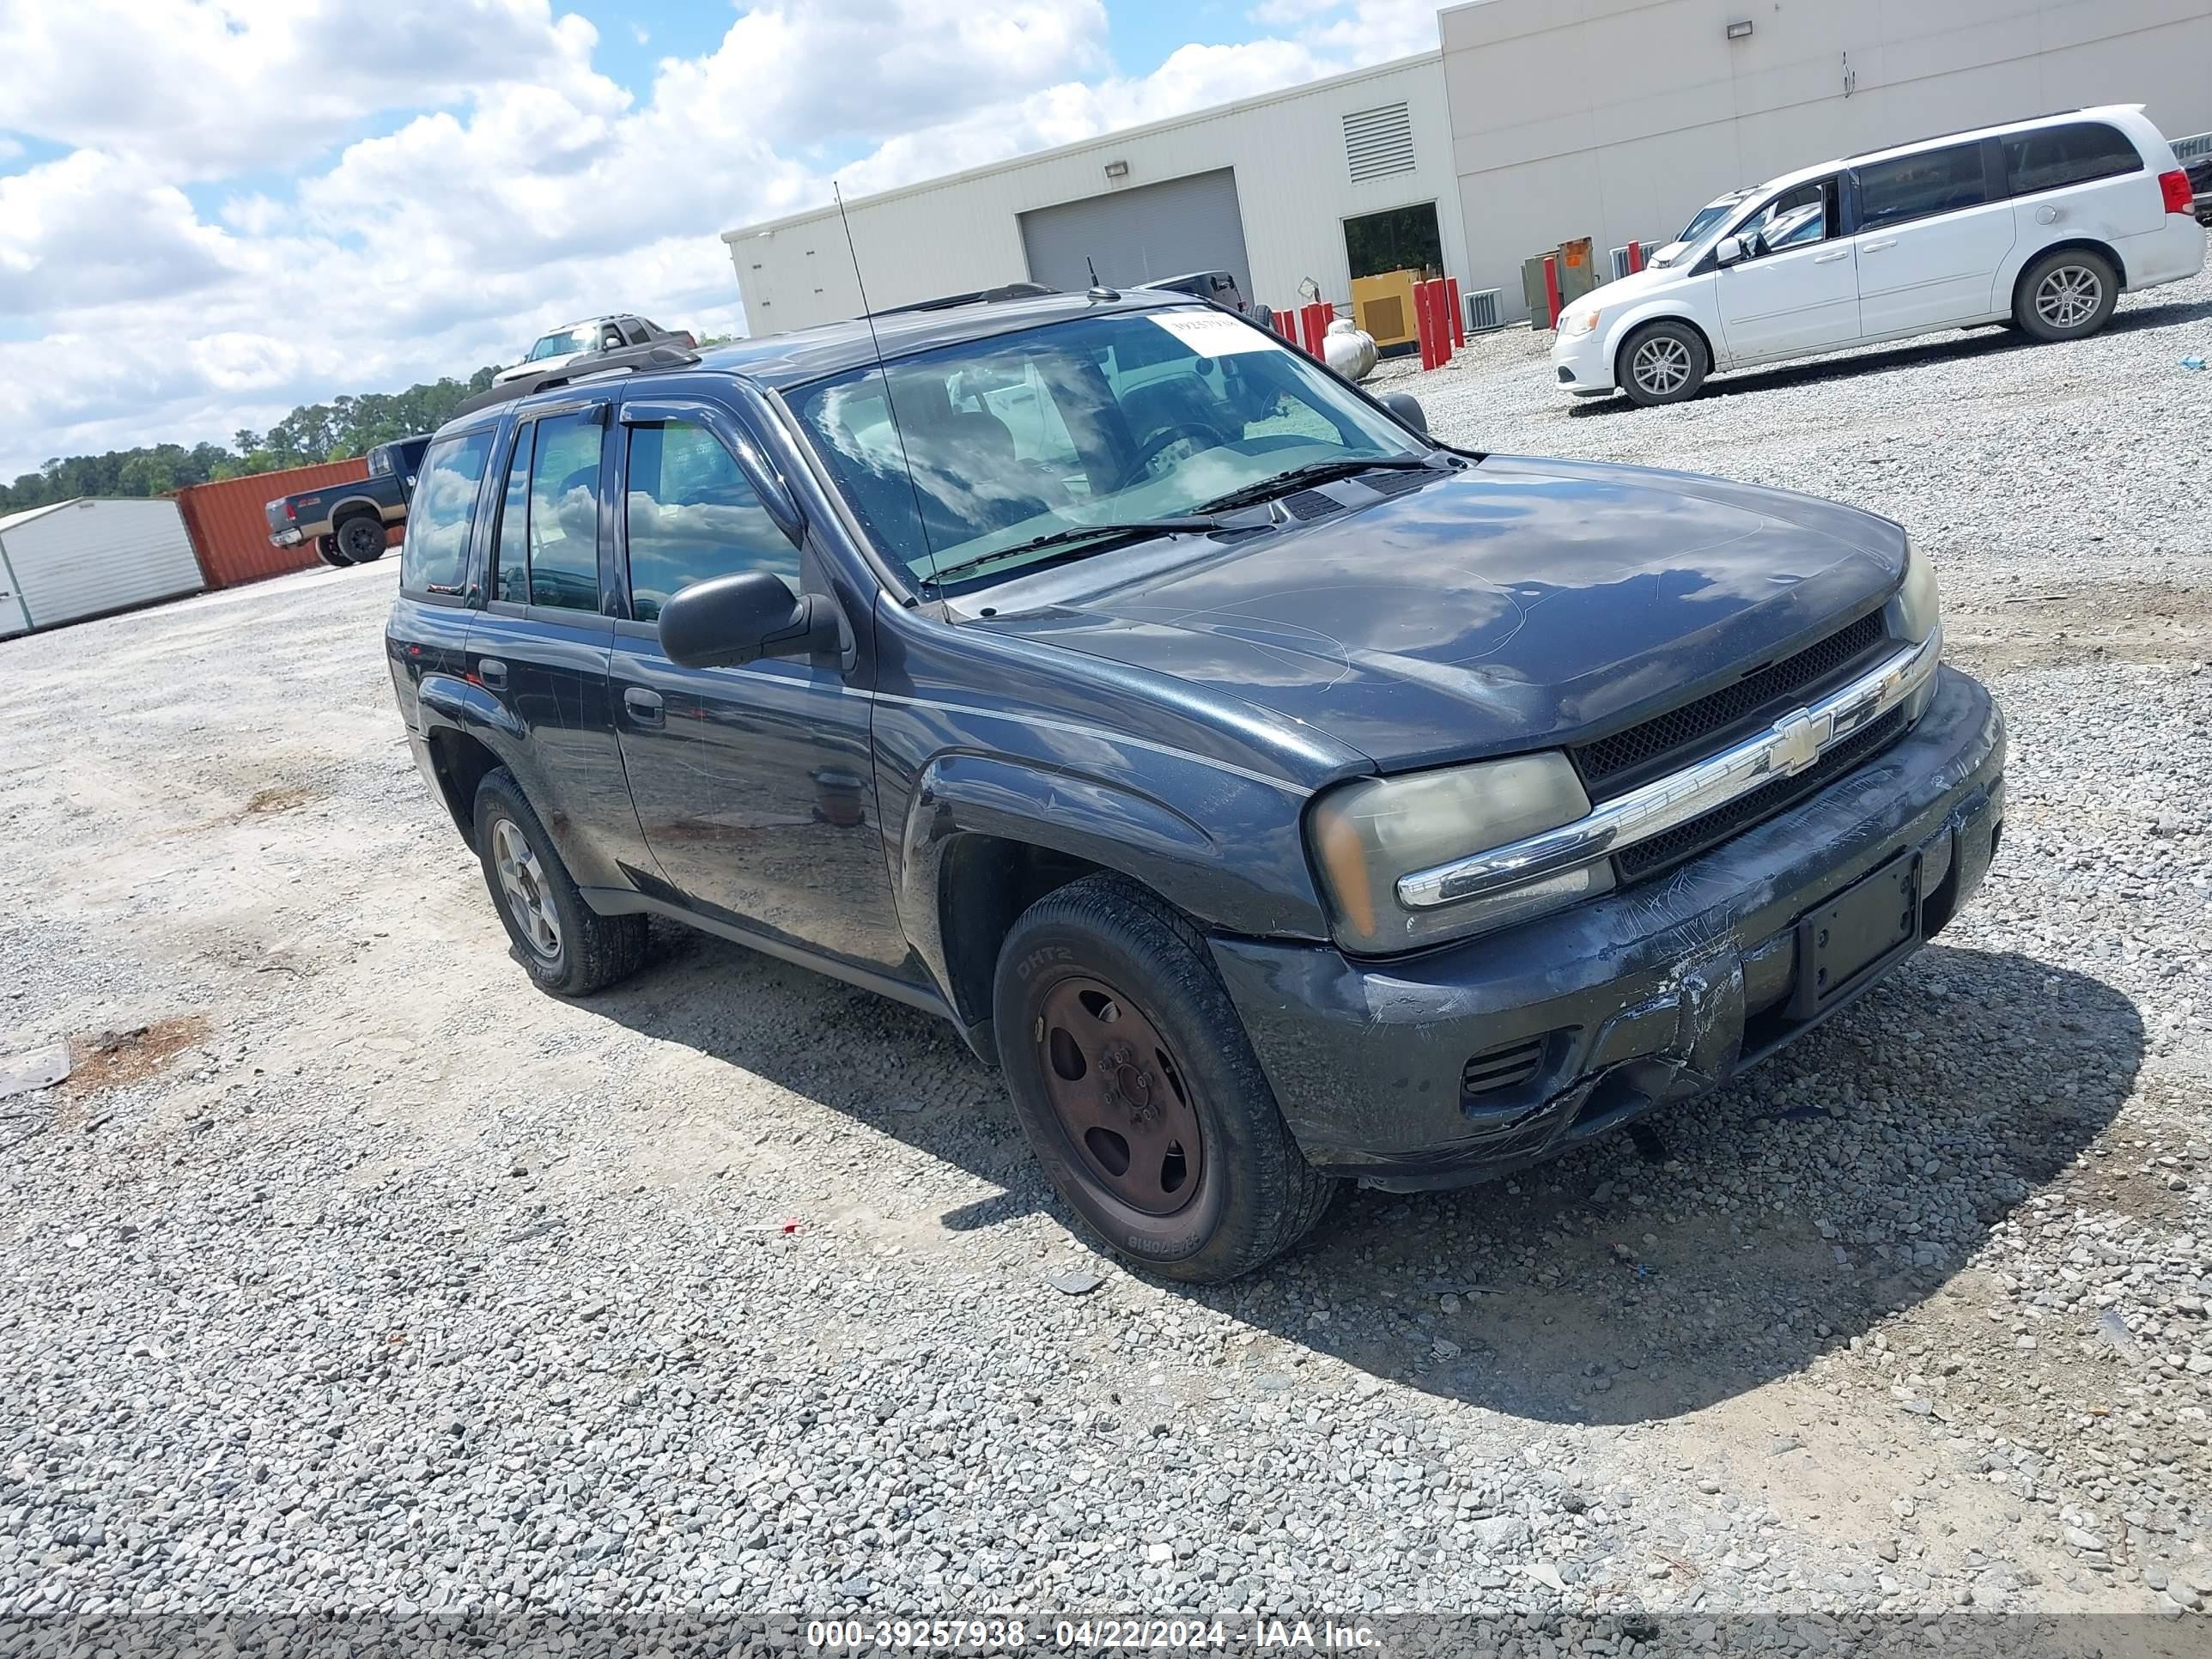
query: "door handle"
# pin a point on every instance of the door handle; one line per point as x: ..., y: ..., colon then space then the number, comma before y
x: 645, y: 706
x: 1830, y: 258
x: 1876, y: 247
x: 492, y: 672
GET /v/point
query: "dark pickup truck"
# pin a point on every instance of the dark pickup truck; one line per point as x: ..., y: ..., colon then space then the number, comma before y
x: 1275, y: 795
x: 347, y: 522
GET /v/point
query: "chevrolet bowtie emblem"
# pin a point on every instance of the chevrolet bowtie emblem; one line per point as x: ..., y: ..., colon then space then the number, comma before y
x: 1797, y: 742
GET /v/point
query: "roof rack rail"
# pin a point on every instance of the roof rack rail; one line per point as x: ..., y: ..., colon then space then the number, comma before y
x: 632, y: 361
x: 980, y: 296
x: 1960, y: 132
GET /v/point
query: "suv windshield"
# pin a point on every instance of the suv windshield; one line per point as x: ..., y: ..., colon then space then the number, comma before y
x: 1099, y: 421
x: 562, y: 342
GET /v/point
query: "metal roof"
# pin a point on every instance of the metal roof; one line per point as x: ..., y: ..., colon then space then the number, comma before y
x: 14, y: 520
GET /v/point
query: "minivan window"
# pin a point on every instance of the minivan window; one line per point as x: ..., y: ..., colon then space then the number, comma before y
x: 564, y: 512
x: 436, y: 554
x: 1914, y: 186
x: 2051, y: 158
x: 692, y: 516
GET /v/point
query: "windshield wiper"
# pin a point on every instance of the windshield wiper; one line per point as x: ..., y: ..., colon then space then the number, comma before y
x: 1315, y: 472
x: 1106, y: 534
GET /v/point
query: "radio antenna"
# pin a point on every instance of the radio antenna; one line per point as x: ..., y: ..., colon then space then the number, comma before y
x: 891, y: 403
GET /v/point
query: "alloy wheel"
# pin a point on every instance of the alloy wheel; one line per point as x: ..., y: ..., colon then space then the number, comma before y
x: 2069, y: 296
x: 522, y: 879
x: 1661, y: 365
x: 1120, y: 1096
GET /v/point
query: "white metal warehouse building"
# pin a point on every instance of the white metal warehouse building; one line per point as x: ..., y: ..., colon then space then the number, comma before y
x: 74, y: 559
x: 1537, y: 121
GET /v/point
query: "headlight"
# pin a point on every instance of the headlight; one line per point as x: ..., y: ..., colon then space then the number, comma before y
x: 1919, y: 607
x: 1368, y: 835
x: 1575, y: 324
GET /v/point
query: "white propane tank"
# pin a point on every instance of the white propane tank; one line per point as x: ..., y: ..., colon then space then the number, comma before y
x: 1349, y: 349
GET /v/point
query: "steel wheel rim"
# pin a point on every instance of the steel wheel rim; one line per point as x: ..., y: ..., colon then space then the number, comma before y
x: 522, y: 879
x: 1662, y: 366
x: 354, y: 533
x: 2069, y: 296
x: 1122, y: 1099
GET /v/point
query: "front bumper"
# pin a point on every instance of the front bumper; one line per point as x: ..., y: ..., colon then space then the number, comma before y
x: 1657, y: 992
x: 1580, y: 365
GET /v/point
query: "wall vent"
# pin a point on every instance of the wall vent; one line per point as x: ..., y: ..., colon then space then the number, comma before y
x: 1378, y: 142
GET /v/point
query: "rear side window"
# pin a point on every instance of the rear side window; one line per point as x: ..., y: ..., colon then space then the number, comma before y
x: 2051, y: 158
x: 693, y: 516
x: 1914, y: 186
x: 564, y: 512
x: 435, y: 559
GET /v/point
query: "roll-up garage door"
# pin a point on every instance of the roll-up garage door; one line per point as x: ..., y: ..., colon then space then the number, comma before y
x: 1140, y: 234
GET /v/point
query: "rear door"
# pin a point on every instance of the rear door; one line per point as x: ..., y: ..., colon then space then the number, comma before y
x: 755, y: 786
x: 1796, y: 290
x: 541, y: 644
x: 1934, y: 228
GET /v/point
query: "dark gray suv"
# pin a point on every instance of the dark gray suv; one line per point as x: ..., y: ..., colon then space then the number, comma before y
x: 1279, y: 796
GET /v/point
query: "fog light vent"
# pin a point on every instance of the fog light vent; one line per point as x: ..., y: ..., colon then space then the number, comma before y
x: 1496, y: 1069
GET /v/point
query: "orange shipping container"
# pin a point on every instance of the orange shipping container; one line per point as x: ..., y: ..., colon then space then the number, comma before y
x: 230, y: 531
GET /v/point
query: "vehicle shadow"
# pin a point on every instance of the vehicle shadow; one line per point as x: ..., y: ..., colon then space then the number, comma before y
x: 1943, y: 349
x: 1623, y: 1283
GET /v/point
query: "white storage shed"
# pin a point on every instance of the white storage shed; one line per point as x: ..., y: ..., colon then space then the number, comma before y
x: 70, y: 559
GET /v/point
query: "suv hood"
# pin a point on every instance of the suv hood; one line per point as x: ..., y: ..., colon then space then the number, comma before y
x: 1516, y: 604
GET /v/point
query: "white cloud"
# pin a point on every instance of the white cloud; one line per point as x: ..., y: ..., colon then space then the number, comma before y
x: 487, y: 180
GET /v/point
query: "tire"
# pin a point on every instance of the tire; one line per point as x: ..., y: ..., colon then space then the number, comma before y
x: 2067, y: 295
x: 1103, y: 952
x: 566, y: 946
x: 1664, y: 362
x: 361, y: 540
x: 326, y: 549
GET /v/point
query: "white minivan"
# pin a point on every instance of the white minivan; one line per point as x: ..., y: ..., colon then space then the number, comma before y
x: 2042, y: 224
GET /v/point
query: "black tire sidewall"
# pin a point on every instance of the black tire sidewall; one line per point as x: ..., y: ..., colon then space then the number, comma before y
x: 326, y: 549
x: 1132, y: 949
x: 1701, y: 364
x: 2030, y: 321
x: 368, y: 554
x: 497, y: 799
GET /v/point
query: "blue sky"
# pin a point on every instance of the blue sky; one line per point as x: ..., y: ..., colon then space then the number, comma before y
x: 189, y: 245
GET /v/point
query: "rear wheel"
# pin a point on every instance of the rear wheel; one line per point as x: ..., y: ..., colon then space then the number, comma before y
x: 1664, y: 362
x: 326, y: 549
x: 1138, y: 1091
x: 566, y: 946
x: 361, y: 540
x: 2066, y: 295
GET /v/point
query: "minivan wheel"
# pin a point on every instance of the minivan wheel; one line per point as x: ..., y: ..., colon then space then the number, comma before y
x: 1138, y: 1091
x: 566, y: 946
x: 326, y: 549
x: 1664, y: 362
x: 2066, y: 295
x: 361, y: 540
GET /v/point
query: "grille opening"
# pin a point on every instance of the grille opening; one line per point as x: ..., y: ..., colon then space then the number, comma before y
x: 1496, y: 1070
x: 1688, y: 840
x: 1611, y: 766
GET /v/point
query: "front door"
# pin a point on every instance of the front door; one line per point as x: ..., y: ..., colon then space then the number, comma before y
x: 755, y: 785
x: 1797, y: 289
x: 1931, y: 239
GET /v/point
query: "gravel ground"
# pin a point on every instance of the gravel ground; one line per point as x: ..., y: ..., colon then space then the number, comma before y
x: 348, y: 1273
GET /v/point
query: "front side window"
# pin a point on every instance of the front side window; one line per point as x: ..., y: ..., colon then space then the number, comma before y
x: 692, y: 516
x: 563, y: 533
x: 1095, y: 421
x: 2051, y: 158
x: 1800, y: 216
x: 435, y: 558
x: 1915, y: 186
x: 565, y: 342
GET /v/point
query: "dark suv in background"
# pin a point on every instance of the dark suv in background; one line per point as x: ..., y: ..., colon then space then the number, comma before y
x: 1276, y: 795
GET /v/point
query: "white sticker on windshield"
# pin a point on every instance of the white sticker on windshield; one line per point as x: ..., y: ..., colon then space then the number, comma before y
x: 1214, y: 333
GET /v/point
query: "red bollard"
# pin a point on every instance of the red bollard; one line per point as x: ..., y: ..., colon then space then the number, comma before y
x: 1552, y: 288
x: 1285, y: 324
x: 1314, y: 319
x: 1458, y: 317
x: 1635, y: 258
x: 1440, y: 297
x: 1421, y: 325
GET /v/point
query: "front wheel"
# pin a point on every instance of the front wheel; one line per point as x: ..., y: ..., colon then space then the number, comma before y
x: 361, y: 540
x: 2066, y: 295
x: 1138, y: 1091
x: 1664, y: 362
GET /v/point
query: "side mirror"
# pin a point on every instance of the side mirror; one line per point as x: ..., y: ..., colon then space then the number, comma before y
x: 1728, y: 250
x: 734, y: 620
x: 1408, y: 408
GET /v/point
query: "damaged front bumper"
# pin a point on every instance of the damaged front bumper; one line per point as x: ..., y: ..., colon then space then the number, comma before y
x: 1463, y: 1064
